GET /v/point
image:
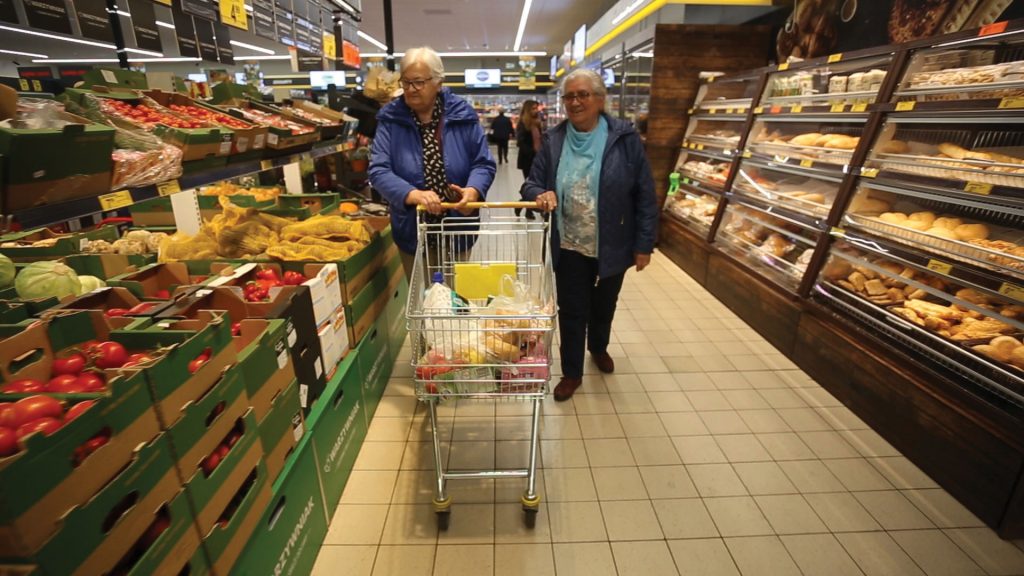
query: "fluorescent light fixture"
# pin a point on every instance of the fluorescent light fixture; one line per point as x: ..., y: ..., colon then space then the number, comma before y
x: 252, y: 47
x: 239, y: 57
x: 16, y: 53
x: 248, y: 8
x: 175, y: 59
x: 372, y: 40
x: 643, y: 54
x: 487, y: 54
x: 163, y: 24
x: 144, y: 52
x: 122, y: 13
x: 522, y: 24
x: 627, y: 11
x: 58, y: 37
x: 346, y: 6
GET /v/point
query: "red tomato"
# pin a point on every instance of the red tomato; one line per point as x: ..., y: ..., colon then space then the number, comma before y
x: 88, y: 347
x: 24, y: 386
x: 222, y: 451
x: 66, y: 384
x: 197, y: 363
x: 7, y: 419
x: 36, y: 407
x: 141, y: 308
x: 77, y: 410
x: 93, y: 444
x: 233, y: 438
x: 45, y: 425
x: 8, y: 442
x: 163, y: 294
x: 207, y: 352
x: 137, y: 359
x: 73, y: 364
x: 158, y: 527
x: 292, y: 278
x: 210, y: 463
x: 110, y: 355
x: 115, y: 312
x: 236, y: 329
x: 267, y: 274
x: 92, y: 381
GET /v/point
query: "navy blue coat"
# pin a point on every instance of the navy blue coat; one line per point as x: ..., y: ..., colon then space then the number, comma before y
x: 627, y: 210
x: 396, y: 159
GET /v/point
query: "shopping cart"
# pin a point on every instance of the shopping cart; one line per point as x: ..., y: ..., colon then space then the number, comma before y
x: 480, y: 349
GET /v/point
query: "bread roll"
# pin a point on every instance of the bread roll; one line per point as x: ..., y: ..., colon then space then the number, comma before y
x: 953, y: 151
x: 893, y: 217
x: 928, y: 217
x: 820, y: 141
x: 942, y: 233
x: 843, y: 142
x: 1005, y: 344
x: 967, y: 232
x: 805, y: 139
x: 894, y: 147
x: 948, y: 222
x: 1017, y: 357
x: 813, y: 197
x: 921, y: 225
x: 992, y: 352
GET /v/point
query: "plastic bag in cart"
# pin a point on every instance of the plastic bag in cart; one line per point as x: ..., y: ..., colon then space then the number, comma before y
x: 451, y: 334
x: 513, y: 301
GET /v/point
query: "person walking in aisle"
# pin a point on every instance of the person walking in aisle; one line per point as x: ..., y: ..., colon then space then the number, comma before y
x: 501, y: 131
x: 429, y: 148
x: 592, y: 172
x: 527, y: 142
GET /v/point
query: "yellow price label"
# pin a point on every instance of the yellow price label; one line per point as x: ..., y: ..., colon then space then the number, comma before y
x: 784, y: 66
x: 711, y: 79
x: 832, y: 59
x: 37, y: 86
x: 869, y: 172
x: 700, y: 146
x: 978, y: 188
x: 746, y: 154
x: 797, y: 109
x: 115, y: 200
x: 168, y: 188
x: 232, y: 13
x: 759, y: 110
x: 23, y: 84
x: 730, y: 110
x: 940, y: 267
x: 807, y: 163
x: 266, y: 164
x: 1012, y: 102
x: 1012, y: 290
x: 905, y: 106
x: 838, y: 108
x: 713, y: 111
x: 860, y: 107
x: 838, y: 232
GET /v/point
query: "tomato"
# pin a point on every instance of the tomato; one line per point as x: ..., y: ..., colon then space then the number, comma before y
x: 197, y: 363
x: 91, y: 381
x: 233, y: 438
x: 141, y: 308
x: 72, y: 364
x: 222, y: 451
x: 207, y: 352
x: 236, y: 329
x: 109, y: 355
x: 8, y: 442
x: 292, y: 278
x: 163, y: 294
x: 266, y: 274
x: 93, y: 444
x: 24, y: 386
x: 77, y: 410
x: 65, y: 384
x: 88, y: 347
x: 210, y: 463
x: 46, y: 426
x: 36, y: 407
x: 158, y: 527
x: 115, y: 312
x: 7, y: 419
x: 137, y: 359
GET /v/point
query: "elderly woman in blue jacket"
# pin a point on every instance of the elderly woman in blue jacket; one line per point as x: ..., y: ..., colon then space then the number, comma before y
x: 593, y: 174
x: 429, y: 148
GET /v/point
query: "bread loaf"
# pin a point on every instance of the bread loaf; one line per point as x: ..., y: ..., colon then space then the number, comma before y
x: 967, y: 232
x: 805, y: 139
x: 948, y: 222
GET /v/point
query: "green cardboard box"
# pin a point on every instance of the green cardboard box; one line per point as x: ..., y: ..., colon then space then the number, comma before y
x: 106, y: 266
x: 116, y: 78
x: 173, y: 550
x: 13, y: 312
x: 147, y: 282
x: 65, y: 244
x: 337, y: 427
x: 362, y: 312
x: 244, y: 139
x: 264, y: 361
x: 238, y: 521
x: 110, y: 298
x: 281, y: 429
x: 394, y: 311
x: 277, y: 138
x: 375, y: 363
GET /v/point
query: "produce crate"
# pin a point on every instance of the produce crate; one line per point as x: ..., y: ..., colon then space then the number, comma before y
x: 281, y: 429
x: 244, y: 140
x: 364, y: 310
x: 303, y: 206
x: 237, y: 522
x: 264, y: 361
x: 293, y: 526
x: 375, y: 364
x: 172, y: 551
x: 45, y: 166
x: 211, y: 493
x: 158, y: 211
x: 13, y: 312
x: 64, y: 244
x: 337, y: 427
x: 339, y: 122
x: 148, y: 282
x: 38, y: 484
x: 394, y: 312
x: 106, y: 266
x: 116, y: 78
x: 114, y: 298
x: 322, y: 281
x: 278, y: 139
x: 34, y: 307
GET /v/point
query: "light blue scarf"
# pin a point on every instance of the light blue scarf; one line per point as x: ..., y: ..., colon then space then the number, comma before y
x: 582, y: 155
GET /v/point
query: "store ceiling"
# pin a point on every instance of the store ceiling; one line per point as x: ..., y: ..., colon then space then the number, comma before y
x: 448, y: 25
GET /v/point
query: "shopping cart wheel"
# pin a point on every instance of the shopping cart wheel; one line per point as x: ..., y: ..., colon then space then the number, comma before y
x: 443, y: 518
x: 530, y: 508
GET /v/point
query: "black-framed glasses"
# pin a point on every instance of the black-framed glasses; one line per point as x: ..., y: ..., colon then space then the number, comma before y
x: 415, y: 84
x: 581, y: 96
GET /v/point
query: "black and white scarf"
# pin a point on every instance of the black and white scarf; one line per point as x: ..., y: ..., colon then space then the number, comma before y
x: 434, y: 174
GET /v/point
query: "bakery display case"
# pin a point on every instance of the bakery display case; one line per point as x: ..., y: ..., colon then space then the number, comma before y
x: 693, y: 209
x: 805, y: 197
x: 814, y: 144
x: 835, y: 86
x: 727, y: 95
x: 774, y: 245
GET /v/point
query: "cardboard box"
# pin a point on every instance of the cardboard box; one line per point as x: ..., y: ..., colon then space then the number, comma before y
x: 116, y: 78
x: 277, y: 138
x: 244, y: 140
x: 394, y: 312
x: 65, y: 244
x: 264, y: 361
x: 148, y: 281
x: 13, y: 312
x: 238, y: 521
x: 173, y: 550
x: 333, y: 341
x: 38, y: 484
x: 110, y: 298
x: 338, y: 426
x: 367, y: 306
x: 375, y: 363
x: 337, y: 122
x: 325, y: 291
x: 289, y: 534
x: 105, y: 266
x: 281, y: 429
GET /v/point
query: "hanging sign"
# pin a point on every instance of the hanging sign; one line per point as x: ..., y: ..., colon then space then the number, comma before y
x: 147, y: 35
x: 185, y: 33
x: 232, y: 13
x: 263, y: 19
x: 207, y: 43
x: 7, y: 12
x: 93, y: 20
x: 51, y: 15
x: 200, y: 8
x: 225, y: 53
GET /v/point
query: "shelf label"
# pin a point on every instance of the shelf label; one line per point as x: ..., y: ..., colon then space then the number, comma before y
x: 730, y: 110
x: 746, y: 154
x: 23, y: 84
x: 784, y: 66
x: 982, y: 188
x: 906, y: 105
x: 168, y: 188
x: 700, y: 146
x: 940, y: 267
x: 759, y: 110
x: 686, y: 181
x: 797, y: 109
x: 37, y: 86
x: 711, y: 79
x: 832, y: 59
x: 775, y: 109
x: 993, y: 28
x: 115, y: 200
x: 838, y: 232
x: 859, y: 107
x: 690, y: 111
x: 869, y: 172
x: 807, y: 163
x: 713, y: 111
x: 838, y: 108
x: 1012, y: 102
x: 266, y: 164
x: 741, y: 110
x: 1013, y: 291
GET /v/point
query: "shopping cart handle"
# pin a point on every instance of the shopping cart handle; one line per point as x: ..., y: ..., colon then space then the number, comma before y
x: 486, y: 205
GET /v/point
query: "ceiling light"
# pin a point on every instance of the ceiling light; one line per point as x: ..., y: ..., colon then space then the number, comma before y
x: 173, y: 59
x: 15, y: 52
x: 632, y: 6
x: 163, y: 24
x: 487, y: 54
x: 248, y: 8
x: 238, y: 57
x: 57, y: 37
x: 122, y: 13
x: 346, y: 7
x: 251, y: 47
x: 76, y: 61
x: 522, y: 24
x: 144, y: 52
x: 643, y: 54
x: 372, y: 40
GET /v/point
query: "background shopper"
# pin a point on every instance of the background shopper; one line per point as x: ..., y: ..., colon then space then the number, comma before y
x: 527, y: 142
x: 501, y: 131
x: 592, y: 172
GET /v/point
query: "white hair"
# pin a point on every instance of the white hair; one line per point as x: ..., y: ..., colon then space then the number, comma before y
x: 426, y: 56
x: 597, y: 87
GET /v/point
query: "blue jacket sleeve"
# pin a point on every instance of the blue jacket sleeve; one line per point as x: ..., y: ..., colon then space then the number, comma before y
x: 383, y: 178
x: 536, y: 184
x: 481, y: 172
x: 646, y: 200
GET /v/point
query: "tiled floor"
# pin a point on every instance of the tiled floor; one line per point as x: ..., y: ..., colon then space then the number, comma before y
x: 707, y: 453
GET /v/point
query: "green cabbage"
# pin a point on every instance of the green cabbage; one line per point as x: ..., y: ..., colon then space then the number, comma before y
x: 7, y: 271
x: 45, y: 280
x: 90, y: 283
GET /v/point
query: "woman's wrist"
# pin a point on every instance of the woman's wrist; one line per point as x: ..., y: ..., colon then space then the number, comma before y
x: 412, y: 198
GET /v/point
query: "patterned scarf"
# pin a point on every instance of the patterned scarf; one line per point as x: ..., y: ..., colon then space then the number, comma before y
x: 434, y: 174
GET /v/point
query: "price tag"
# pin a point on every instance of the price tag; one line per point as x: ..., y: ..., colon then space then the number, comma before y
x: 108, y: 76
x: 37, y: 86
x: 869, y: 172
x: 242, y: 143
x: 700, y: 146
x: 838, y: 108
x: 711, y: 79
x: 905, y: 106
x: 225, y: 148
x: 759, y: 110
x: 266, y: 164
x: 784, y: 66
x: 272, y: 139
x: 730, y: 110
x: 713, y: 111
x: 1014, y: 102
x: 797, y: 109
x: 978, y: 188
x: 690, y: 111
x: 258, y: 141
x: 940, y: 267
x: 775, y: 109
x: 168, y: 188
x: 23, y: 84
x: 833, y: 58
x: 860, y: 107
x: 115, y: 200
x: 746, y: 154
x: 807, y: 163
x: 993, y: 28
x: 686, y: 181
x: 1013, y: 291
x: 838, y: 232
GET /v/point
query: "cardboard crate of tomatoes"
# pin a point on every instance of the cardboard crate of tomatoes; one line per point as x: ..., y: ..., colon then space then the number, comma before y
x: 247, y: 136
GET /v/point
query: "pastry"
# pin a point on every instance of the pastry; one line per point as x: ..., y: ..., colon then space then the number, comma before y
x: 917, y: 225
x: 875, y: 287
x: 971, y: 295
x: 972, y: 329
x: 893, y: 217
x: 1005, y: 344
x: 992, y: 352
x: 952, y: 150
x: 820, y: 141
x: 858, y: 280
x: 967, y: 232
x: 928, y: 217
x: 948, y: 222
x: 805, y: 139
x: 1017, y: 358
x: 864, y: 204
x: 813, y: 197
x: 942, y: 233
x: 894, y: 147
x: 777, y: 245
x: 924, y: 308
x: 843, y: 142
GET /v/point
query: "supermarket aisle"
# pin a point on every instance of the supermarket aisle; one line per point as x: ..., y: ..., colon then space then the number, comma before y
x: 707, y: 452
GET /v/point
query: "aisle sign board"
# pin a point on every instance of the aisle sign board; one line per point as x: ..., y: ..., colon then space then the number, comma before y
x: 35, y: 72
x: 147, y: 35
x: 207, y: 44
x: 303, y: 61
x: 93, y: 20
x: 50, y: 15
x: 72, y: 73
x: 350, y: 54
x: 263, y: 19
x: 201, y: 8
x: 225, y: 53
x: 579, y: 44
x: 285, y: 30
x: 8, y: 12
x: 232, y: 13
x: 185, y: 33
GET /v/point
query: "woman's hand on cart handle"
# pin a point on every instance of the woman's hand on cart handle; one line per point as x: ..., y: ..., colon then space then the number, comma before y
x: 428, y: 199
x: 486, y: 205
x: 468, y: 194
x: 547, y: 201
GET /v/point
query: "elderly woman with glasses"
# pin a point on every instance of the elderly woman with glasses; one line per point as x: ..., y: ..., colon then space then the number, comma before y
x: 592, y: 172
x: 429, y: 148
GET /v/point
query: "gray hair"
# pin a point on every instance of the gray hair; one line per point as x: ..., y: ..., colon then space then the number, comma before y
x: 426, y: 56
x: 596, y: 81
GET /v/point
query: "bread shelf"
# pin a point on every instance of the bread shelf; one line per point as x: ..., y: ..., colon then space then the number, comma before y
x: 712, y: 153
x: 790, y: 160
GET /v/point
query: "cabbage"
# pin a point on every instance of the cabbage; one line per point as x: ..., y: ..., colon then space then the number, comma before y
x: 7, y: 271
x: 45, y: 280
x: 90, y: 283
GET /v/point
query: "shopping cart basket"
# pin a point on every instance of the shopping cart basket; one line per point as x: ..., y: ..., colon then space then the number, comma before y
x: 475, y: 349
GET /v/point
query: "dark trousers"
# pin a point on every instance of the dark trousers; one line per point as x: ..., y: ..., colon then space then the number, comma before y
x: 502, y: 151
x: 586, y: 308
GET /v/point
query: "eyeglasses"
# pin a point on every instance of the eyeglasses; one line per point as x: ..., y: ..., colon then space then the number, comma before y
x: 581, y: 96
x: 415, y: 84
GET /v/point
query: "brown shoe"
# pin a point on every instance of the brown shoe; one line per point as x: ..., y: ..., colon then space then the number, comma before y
x: 566, y: 387
x: 604, y: 362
